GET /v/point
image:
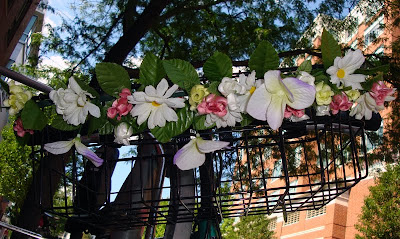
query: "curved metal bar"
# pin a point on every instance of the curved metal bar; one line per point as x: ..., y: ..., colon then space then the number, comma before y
x: 25, y: 80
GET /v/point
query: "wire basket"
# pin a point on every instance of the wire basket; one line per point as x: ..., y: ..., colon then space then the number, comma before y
x: 301, y: 166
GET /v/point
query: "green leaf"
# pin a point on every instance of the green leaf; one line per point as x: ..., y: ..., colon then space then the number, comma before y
x: 151, y: 70
x: 199, y: 122
x: 87, y: 88
x: 371, y: 71
x: 263, y: 59
x: 305, y: 66
x: 107, y: 128
x: 112, y: 78
x: 213, y: 88
x: 171, y: 129
x: 96, y: 123
x: 330, y: 49
x: 181, y: 73
x: 23, y: 140
x: 5, y: 86
x: 59, y: 123
x: 32, y: 117
x: 246, y: 120
x: 217, y: 67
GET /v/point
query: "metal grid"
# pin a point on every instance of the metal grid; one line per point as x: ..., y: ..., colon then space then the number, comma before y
x: 302, y: 166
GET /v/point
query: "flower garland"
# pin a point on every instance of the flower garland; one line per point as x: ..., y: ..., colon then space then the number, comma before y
x: 265, y: 94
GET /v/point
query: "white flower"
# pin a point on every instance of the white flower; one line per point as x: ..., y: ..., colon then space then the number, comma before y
x: 154, y: 105
x: 307, y: 78
x: 298, y: 119
x: 192, y: 155
x: 61, y: 147
x: 230, y: 119
x: 238, y: 92
x: 269, y: 101
x: 364, y: 107
x: 122, y: 133
x: 73, y: 103
x: 343, y: 69
x: 323, y: 110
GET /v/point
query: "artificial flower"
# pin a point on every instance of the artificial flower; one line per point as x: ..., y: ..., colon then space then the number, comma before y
x: 19, y: 128
x: 307, y: 78
x: 324, y: 94
x: 269, y: 100
x: 322, y: 110
x: 294, y: 118
x: 122, y: 133
x: 381, y: 93
x: 213, y: 104
x: 192, y: 155
x: 343, y: 69
x: 340, y: 102
x: 364, y: 107
x: 353, y: 94
x: 18, y: 98
x: 197, y: 94
x: 120, y: 106
x: 155, y: 104
x: 230, y: 119
x: 61, y: 147
x: 289, y: 111
x: 73, y: 103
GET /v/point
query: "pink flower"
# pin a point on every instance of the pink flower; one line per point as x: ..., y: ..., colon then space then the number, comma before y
x: 340, y: 102
x: 381, y: 93
x: 213, y: 104
x: 19, y: 128
x: 120, y: 106
x: 289, y: 111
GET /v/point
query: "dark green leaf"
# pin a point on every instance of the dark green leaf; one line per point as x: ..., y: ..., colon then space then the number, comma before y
x: 107, y: 128
x: 23, y: 140
x: 330, y: 49
x: 263, y: 59
x: 171, y: 129
x: 96, y: 123
x: 372, y: 71
x: 59, y: 123
x: 151, y: 70
x: 246, y: 120
x: 213, y: 88
x: 112, y: 78
x: 217, y: 67
x: 199, y: 122
x: 305, y: 66
x: 181, y: 73
x: 32, y: 117
x: 5, y: 86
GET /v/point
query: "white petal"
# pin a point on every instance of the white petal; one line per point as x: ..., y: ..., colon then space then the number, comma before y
x: 60, y: 147
x: 351, y: 61
x: 272, y: 81
x: 150, y: 91
x: 170, y: 91
x: 151, y: 120
x: 276, y: 112
x: 303, y: 93
x: 175, y: 102
x: 74, y: 86
x: 158, y: 116
x: 137, y: 97
x: 354, y: 81
x: 162, y: 87
x: 85, y: 151
x: 232, y: 102
x: 169, y: 114
x: 208, y: 146
x: 142, y: 111
x: 258, y: 103
x: 332, y: 70
x: 189, y: 157
x: 93, y: 109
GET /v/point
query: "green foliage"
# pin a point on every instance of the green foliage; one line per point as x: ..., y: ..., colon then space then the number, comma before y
x: 330, y: 49
x: 305, y: 66
x: 59, y: 123
x: 381, y: 211
x: 263, y: 59
x: 15, y: 168
x: 151, y: 70
x: 96, y: 123
x: 199, y: 121
x: 171, y: 129
x: 250, y: 227
x: 112, y: 78
x: 181, y: 73
x: 32, y: 117
x: 217, y: 67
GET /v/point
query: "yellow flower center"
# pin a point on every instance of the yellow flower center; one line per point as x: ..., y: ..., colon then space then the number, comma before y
x: 340, y: 73
x: 253, y: 88
x: 155, y: 104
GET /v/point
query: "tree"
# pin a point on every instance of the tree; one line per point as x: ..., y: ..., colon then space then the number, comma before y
x: 254, y: 226
x: 381, y: 211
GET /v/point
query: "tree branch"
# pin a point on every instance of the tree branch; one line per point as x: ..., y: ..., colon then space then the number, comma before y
x: 139, y: 28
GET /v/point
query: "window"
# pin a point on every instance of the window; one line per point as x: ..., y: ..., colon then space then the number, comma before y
x: 292, y: 185
x: 272, y: 224
x: 297, y: 156
x: 277, y: 170
x: 316, y: 213
x: 373, y: 31
x: 292, y: 218
x: 354, y: 44
x: 273, y: 200
x: 380, y: 50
